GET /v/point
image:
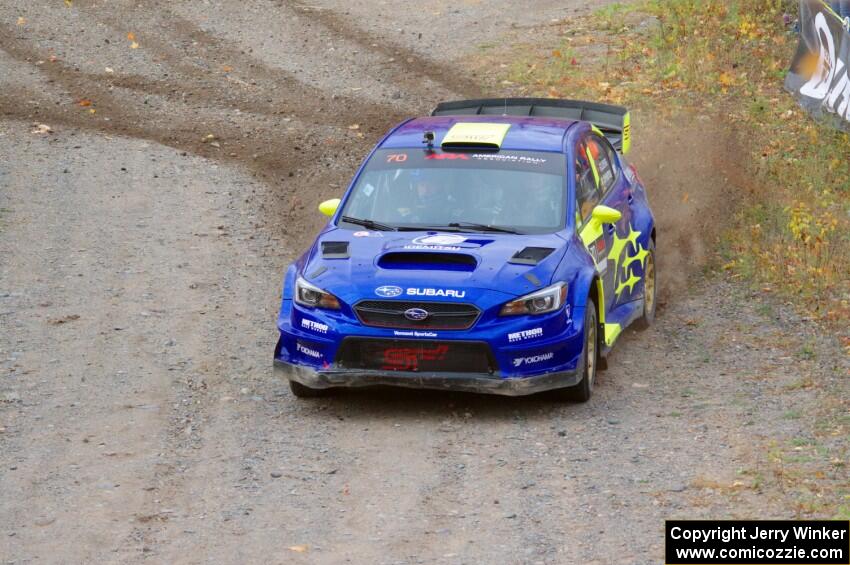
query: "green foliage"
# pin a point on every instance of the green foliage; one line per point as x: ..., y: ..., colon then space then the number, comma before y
x: 730, y: 56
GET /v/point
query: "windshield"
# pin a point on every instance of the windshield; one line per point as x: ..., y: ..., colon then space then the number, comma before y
x: 514, y: 191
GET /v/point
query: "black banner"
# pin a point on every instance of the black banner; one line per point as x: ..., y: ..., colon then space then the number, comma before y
x: 757, y: 542
x: 819, y: 73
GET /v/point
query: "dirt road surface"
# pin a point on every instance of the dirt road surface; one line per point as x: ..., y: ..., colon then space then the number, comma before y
x: 160, y: 163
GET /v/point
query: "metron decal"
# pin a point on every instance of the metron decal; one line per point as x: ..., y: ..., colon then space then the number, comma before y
x: 314, y: 326
x: 525, y: 334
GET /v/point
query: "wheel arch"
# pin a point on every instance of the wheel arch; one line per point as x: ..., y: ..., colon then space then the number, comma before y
x: 587, y: 289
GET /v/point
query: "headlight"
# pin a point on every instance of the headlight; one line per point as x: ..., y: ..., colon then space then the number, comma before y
x: 541, y: 302
x: 312, y: 296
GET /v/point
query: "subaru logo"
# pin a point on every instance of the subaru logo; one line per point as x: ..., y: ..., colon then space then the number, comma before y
x: 388, y: 291
x: 416, y: 314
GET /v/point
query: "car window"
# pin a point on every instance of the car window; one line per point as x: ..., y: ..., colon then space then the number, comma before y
x: 522, y: 191
x: 588, y: 194
x: 612, y: 157
x: 604, y: 164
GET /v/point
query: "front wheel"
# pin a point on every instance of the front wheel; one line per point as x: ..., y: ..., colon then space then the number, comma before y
x: 588, y: 364
x: 303, y: 391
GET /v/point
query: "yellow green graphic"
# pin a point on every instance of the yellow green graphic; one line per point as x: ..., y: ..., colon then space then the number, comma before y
x: 626, y: 278
x: 622, y: 259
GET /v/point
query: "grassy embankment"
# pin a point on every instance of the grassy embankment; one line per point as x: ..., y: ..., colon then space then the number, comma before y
x: 729, y: 57
x: 790, y: 238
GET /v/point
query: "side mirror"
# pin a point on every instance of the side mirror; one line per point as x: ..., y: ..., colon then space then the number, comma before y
x: 606, y: 215
x: 328, y: 207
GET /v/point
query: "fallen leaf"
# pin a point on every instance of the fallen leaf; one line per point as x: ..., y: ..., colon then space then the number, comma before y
x: 131, y: 36
x: 85, y: 103
x: 42, y: 128
x: 354, y: 126
x: 109, y: 70
x: 92, y: 111
x: 726, y: 79
x: 298, y: 548
x: 22, y: 20
x: 226, y: 68
x: 53, y: 58
x: 134, y: 45
x: 68, y: 3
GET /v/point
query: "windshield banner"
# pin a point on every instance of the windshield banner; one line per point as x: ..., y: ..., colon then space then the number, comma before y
x: 532, y: 161
x: 819, y: 73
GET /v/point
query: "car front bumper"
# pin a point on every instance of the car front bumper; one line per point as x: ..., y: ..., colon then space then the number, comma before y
x: 463, y: 382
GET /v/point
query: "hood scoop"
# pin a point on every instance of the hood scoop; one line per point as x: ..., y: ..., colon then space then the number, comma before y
x: 531, y: 255
x: 335, y: 250
x: 428, y: 261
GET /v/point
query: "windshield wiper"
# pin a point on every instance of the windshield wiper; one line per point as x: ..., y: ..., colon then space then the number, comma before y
x: 370, y: 224
x: 481, y: 227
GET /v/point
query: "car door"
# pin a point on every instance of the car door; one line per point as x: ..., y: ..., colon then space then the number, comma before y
x: 616, y: 193
x: 589, y: 194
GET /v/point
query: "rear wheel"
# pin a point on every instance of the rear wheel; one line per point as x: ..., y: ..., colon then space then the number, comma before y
x: 589, y: 362
x: 650, y: 290
x: 303, y: 391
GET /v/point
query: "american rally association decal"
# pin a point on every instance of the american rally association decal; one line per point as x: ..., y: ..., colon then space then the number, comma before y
x: 307, y: 351
x: 524, y: 159
x: 525, y: 334
x: 314, y: 326
x: 520, y: 361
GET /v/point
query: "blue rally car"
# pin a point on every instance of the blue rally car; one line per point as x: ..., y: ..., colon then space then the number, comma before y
x: 497, y: 246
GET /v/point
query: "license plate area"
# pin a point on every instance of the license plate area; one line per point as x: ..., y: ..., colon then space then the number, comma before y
x: 415, y: 356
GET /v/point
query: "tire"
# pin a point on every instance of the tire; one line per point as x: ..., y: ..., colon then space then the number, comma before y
x: 303, y: 391
x: 650, y: 290
x: 589, y: 363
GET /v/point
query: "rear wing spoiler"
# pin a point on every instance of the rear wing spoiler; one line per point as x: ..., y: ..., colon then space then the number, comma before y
x: 614, y: 122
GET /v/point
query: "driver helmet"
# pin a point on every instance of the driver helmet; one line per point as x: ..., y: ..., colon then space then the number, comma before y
x: 427, y: 189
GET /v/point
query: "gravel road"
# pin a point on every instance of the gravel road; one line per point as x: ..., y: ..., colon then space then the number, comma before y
x: 160, y: 163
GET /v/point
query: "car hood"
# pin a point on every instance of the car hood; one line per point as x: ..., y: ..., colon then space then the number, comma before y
x: 430, y: 265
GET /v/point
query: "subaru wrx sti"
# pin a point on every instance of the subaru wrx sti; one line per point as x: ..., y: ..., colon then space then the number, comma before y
x: 495, y: 246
